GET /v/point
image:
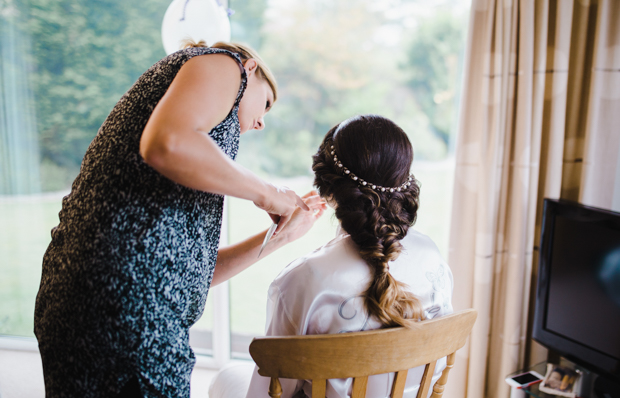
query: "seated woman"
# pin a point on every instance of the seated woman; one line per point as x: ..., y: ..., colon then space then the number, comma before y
x: 376, y: 273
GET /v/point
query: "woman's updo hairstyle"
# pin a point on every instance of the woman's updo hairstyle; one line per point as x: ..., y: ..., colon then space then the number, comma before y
x: 244, y: 52
x: 374, y: 150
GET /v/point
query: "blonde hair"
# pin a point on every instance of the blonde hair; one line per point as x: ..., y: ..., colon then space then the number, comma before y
x: 244, y: 52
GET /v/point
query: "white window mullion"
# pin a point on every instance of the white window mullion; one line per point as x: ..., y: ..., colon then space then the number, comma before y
x: 221, y: 306
x: 221, y: 324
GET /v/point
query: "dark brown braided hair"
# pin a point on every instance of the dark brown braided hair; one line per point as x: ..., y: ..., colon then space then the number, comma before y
x: 376, y: 150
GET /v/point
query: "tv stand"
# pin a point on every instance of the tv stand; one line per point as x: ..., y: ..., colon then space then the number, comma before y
x: 531, y: 391
x: 592, y: 385
x: 605, y: 388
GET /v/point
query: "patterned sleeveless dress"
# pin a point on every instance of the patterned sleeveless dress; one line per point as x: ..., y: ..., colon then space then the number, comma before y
x: 130, y: 264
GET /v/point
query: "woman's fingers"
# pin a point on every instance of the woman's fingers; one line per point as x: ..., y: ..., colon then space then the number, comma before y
x: 316, y: 204
x: 309, y: 194
x: 283, y: 202
x: 301, y: 203
x: 283, y: 221
x: 316, y: 207
x: 301, y: 221
x: 320, y: 212
x: 313, y: 201
x: 275, y: 218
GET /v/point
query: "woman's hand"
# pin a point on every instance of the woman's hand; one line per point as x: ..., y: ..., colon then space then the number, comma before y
x: 280, y: 203
x: 301, y: 221
x: 235, y: 258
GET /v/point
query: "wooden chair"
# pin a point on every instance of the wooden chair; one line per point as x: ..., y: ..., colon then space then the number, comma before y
x: 361, y: 354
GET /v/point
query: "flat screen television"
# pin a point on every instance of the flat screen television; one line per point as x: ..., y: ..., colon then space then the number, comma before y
x: 578, y: 296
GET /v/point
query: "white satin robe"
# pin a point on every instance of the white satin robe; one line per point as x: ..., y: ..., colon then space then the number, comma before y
x: 321, y: 293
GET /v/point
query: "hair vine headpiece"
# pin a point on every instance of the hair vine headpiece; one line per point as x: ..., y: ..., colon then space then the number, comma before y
x: 362, y: 182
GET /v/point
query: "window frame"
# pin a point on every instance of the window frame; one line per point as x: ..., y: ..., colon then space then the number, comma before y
x: 220, y: 339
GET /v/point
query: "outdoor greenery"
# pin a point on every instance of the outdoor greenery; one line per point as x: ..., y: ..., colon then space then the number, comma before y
x: 85, y: 55
x: 435, y: 54
x: 332, y: 59
x: 23, y: 244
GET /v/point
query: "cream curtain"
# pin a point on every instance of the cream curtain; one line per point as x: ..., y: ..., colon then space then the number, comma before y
x: 540, y: 118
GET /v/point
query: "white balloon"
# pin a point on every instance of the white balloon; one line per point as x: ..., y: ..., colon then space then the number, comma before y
x: 196, y: 20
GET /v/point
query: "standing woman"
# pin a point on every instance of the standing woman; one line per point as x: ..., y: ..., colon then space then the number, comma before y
x: 130, y: 264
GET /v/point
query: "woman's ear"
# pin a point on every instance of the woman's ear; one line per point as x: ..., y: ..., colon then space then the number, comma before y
x: 250, y: 66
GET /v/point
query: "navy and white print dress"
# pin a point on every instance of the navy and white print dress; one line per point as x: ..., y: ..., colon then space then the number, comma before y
x: 130, y: 264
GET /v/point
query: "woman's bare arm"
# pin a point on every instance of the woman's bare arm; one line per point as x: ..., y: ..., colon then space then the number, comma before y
x: 233, y: 259
x: 175, y: 141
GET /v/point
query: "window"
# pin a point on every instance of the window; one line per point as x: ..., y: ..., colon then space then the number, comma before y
x: 65, y: 64
x: 401, y: 59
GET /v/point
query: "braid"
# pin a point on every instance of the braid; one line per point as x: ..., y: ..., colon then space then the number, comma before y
x: 376, y: 222
x: 386, y: 298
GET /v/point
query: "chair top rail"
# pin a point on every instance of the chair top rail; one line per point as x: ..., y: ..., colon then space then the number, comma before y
x: 332, y: 356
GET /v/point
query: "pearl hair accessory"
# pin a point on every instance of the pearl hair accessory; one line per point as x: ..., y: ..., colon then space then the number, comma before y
x: 360, y: 181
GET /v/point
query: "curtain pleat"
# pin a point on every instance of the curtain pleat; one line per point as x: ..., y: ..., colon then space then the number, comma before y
x: 602, y: 133
x: 532, y: 126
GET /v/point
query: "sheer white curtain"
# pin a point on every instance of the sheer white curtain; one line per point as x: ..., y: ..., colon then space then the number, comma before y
x: 19, y: 149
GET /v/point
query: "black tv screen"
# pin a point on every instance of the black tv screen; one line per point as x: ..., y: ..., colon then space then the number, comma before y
x: 578, y: 296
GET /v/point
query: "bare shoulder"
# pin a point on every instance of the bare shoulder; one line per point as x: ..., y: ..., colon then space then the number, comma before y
x: 201, y: 95
x: 219, y: 67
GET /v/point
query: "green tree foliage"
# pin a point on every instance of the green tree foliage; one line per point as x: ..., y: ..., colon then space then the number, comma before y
x: 247, y: 21
x: 19, y: 150
x: 433, y: 62
x: 331, y: 60
x: 86, y: 54
x: 331, y: 63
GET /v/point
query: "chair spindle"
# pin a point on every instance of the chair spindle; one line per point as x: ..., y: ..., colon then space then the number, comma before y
x: 318, y: 388
x: 359, y: 387
x: 440, y: 386
x: 275, y: 388
x: 427, y: 379
x: 398, y: 385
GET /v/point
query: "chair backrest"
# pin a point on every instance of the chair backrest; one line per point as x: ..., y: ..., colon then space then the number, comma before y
x: 361, y: 354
